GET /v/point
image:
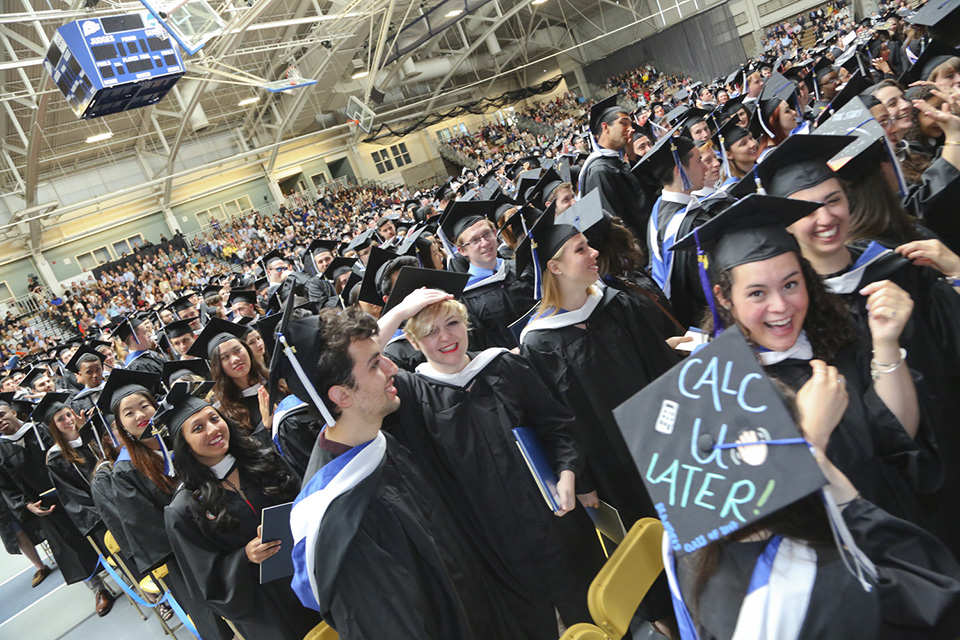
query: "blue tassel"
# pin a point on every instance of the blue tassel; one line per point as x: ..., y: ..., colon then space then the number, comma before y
x: 702, y: 265
x: 684, y: 180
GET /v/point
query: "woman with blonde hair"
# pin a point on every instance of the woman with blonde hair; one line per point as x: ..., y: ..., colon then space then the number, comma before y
x: 466, y: 445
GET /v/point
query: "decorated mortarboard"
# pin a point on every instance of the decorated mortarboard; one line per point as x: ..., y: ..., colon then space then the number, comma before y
x: 715, y: 462
x: 178, y: 328
x: 36, y: 372
x: 173, y: 370
x: 369, y: 285
x: 410, y: 279
x: 668, y: 151
x: 122, y: 383
x: 362, y: 241
x: 942, y: 19
x: 84, y: 354
x: 50, y: 404
x: 798, y: 163
x: 854, y: 86
x: 213, y: 335
x: 870, y: 145
x: 544, y: 239
x: 242, y: 295
x: 935, y: 54
x: 460, y: 216
x: 602, y: 109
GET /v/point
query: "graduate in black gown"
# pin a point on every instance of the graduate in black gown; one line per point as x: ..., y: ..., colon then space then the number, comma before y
x: 375, y: 550
x: 456, y: 416
x: 142, y: 485
x: 213, y: 520
x: 764, y: 286
x: 798, y: 170
x: 497, y: 294
x: 595, y: 346
x: 237, y: 375
x: 23, y: 448
x: 87, y: 365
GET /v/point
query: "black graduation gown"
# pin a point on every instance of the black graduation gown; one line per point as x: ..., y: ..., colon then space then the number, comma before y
x: 218, y: 572
x: 648, y: 294
x: 494, y: 307
x: 84, y: 400
x: 104, y: 499
x: 148, y: 362
x: 460, y: 437
x: 140, y: 505
x: 319, y: 291
x: 932, y: 340
x: 296, y: 434
x: 72, y: 483
x: 593, y: 371
x: 934, y: 200
x: 403, y: 354
x: 622, y: 192
x: 916, y: 596
x: 389, y: 540
x: 23, y: 462
x: 869, y: 445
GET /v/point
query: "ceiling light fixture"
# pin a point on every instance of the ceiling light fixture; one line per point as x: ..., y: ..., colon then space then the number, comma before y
x: 538, y: 2
x: 360, y: 74
x: 247, y: 101
x: 453, y: 14
x: 100, y: 137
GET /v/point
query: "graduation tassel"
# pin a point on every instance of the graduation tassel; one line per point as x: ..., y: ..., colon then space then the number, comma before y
x: 307, y: 384
x: 702, y: 265
x: 847, y: 545
x: 756, y: 180
x: 537, y: 271
x: 726, y: 158
x: 684, y: 180
x: 892, y: 155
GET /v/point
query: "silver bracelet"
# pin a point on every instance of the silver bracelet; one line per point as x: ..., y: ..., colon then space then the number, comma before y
x: 877, y: 369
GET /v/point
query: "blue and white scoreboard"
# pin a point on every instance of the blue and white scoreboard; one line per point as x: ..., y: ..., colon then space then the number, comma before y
x: 117, y: 63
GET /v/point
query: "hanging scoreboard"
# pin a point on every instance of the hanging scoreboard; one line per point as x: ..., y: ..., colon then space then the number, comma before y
x: 112, y: 64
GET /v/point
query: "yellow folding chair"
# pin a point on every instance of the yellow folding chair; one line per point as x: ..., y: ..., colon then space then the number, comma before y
x: 584, y: 631
x: 322, y: 631
x: 626, y: 577
x: 107, y: 555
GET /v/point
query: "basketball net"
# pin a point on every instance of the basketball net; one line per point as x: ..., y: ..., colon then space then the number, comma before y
x: 352, y: 122
x: 293, y: 75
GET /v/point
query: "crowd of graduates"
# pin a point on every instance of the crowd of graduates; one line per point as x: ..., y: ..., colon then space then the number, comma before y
x: 371, y: 362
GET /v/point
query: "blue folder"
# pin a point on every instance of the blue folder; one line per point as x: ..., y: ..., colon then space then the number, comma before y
x: 539, y: 464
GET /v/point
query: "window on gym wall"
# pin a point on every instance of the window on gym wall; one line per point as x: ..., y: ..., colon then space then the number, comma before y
x: 382, y: 160
x: 400, y: 154
x: 95, y: 258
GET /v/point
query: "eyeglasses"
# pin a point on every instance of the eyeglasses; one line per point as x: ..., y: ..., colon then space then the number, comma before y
x: 281, y: 269
x: 488, y: 236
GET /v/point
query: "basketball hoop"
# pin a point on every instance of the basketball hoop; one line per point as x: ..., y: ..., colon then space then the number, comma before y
x: 353, y: 123
x: 293, y: 75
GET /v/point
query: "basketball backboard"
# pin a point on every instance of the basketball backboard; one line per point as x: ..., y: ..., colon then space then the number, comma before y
x: 192, y: 23
x: 360, y: 112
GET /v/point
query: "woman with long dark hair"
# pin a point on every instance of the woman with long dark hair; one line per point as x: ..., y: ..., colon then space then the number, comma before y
x: 765, y: 287
x: 142, y: 484
x: 213, y: 521
x: 238, y: 376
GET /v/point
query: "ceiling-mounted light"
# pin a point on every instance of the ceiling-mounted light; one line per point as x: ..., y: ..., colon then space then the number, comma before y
x: 538, y: 2
x: 100, y: 137
x: 247, y: 101
x: 360, y: 74
x: 453, y: 14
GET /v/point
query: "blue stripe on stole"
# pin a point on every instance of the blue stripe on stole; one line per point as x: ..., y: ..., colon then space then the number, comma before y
x: 764, y: 566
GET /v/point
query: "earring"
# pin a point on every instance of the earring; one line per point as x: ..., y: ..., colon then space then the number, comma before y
x: 726, y: 307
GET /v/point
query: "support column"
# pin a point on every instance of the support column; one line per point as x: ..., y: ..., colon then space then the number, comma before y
x: 581, y: 80
x: 275, y: 190
x: 46, y: 274
x: 171, y: 219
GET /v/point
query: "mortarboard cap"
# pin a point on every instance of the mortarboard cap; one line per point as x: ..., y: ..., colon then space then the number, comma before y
x: 870, y: 144
x: 213, y: 335
x: 369, y: 291
x: 799, y: 162
x: 589, y: 215
x: 544, y: 240
x: 210, y: 290
x: 242, y: 295
x: 178, y: 328
x: 34, y: 374
x: 175, y: 369
x: 942, y: 18
x: 934, y: 55
x: 663, y: 154
x: 411, y: 278
x: 178, y: 405
x: 362, y: 241
x: 21, y: 406
x: 125, y: 327
x: 79, y: 354
x: 270, y: 258
x: 750, y: 230
x: 181, y: 304
x: 776, y: 89
x: 602, y: 109
x: 122, y: 383
x: 460, y: 216
x: 338, y: 267
x: 675, y: 422
x: 50, y: 404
